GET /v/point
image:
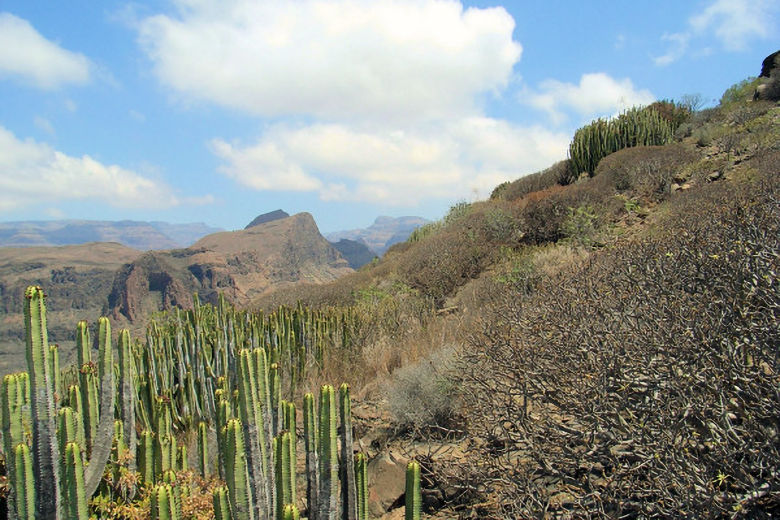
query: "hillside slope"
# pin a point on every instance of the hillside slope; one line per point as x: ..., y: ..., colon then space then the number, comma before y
x: 600, y: 348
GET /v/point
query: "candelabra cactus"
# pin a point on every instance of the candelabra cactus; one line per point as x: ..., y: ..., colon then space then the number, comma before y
x: 57, y: 483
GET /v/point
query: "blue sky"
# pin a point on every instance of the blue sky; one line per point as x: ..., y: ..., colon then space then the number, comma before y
x: 216, y: 111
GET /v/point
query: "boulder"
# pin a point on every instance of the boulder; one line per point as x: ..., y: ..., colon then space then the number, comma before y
x: 769, y: 89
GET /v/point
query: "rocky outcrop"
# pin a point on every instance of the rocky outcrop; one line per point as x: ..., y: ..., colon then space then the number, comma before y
x: 242, y: 265
x: 267, y: 217
x: 769, y: 89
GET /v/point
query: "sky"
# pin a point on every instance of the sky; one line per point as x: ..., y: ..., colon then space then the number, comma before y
x: 216, y: 111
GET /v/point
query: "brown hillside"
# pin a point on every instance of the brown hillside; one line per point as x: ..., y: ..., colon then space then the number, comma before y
x: 240, y: 264
x: 77, y: 280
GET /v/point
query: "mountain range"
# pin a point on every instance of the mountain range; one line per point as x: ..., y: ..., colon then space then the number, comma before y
x: 136, y: 234
x: 383, y: 233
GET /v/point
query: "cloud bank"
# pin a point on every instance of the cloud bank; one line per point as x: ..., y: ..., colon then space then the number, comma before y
x: 33, y: 173
x: 394, y: 60
x: 27, y: 56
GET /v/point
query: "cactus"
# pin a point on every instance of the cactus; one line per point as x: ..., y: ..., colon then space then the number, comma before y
x: 163, y: 503
x: 87, y: 384
x: 221, y: 504
x: 203, y: 449
x: 413, y: 493
x: 252, y: 421
x: 127, y: 393
x: 290, y: 512
x: 361, y: 486
x: 74, y: 496
x: 327, y: 499
x: 14, y: 399
x: 145, y: 457
x: 310, y: 442
x: 236, y: 474
x: 23, y: 483
x: 284, y: 457
x: 347, y: 465
x: 181, y: 462
x: 45, y: 450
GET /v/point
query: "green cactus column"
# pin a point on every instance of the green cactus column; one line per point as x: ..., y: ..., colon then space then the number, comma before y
x: 413, y: 493
x: 45, y: 450
x: 310, y: 443
x: 327, y: 499
x: 236, y: 474
x: 284, y: 458
x: 221, y: 503
x: 127, y: 392
x: 87, y: 384
x: 256, y: 455
x: 290, y: 512
x: 145, y: 457
x: 23, y: 483
x: 102, y: 444
x: 347, y: 465
x: 361, y: 486
x: 163, y: 503
x: 14, y: 399
x: 73, y: 482
x: 203, y: 449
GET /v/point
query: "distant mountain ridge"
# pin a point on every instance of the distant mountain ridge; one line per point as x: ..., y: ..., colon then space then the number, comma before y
x: 139, y: 235
x: 383, y: 233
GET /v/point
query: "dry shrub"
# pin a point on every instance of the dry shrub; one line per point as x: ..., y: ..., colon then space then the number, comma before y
x: 559, y: 173
x: 422, y: 398
x: 646, y: 172
x: 643, y: 383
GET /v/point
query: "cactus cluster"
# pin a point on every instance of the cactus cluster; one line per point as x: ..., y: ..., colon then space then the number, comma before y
x: 107, y: 427
x: 187, y: 352
x: 57, y: 466
x: 634, y: 127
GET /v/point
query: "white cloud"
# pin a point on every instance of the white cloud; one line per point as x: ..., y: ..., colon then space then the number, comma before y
x: 391, y: 167
x: 394, y: 60
x: 26, y: 55
x: 734, y: 23
x: 597, y: 94
x: 34, y: 173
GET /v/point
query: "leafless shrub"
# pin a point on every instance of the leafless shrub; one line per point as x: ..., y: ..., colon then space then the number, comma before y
x: 643, y: 383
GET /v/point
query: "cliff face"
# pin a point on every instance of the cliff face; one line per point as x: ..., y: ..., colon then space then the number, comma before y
x: 76, y: 280
x: 240, y: 264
